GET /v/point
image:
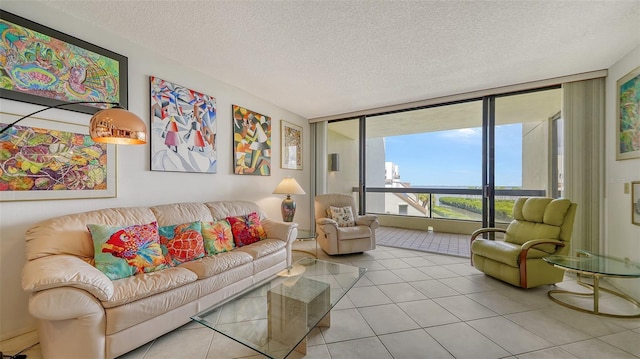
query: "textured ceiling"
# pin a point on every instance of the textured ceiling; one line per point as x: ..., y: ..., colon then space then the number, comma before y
x: 320, y: 58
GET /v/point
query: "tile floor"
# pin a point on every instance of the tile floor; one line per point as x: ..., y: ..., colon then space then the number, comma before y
x: 413, y: 304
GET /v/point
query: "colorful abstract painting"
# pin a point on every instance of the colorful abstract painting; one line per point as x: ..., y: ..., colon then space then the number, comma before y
x: 251, y: 142
x: 183, y: 129
x: 47, y: 159
x: 43, y: 66
x: 629, y: 116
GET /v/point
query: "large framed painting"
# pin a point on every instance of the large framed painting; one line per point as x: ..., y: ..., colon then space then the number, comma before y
x: 628, y: 116
x: 47, y: 67
x: 635, y: 203
x: 44, y: 159
x: 291, y: 146
x: 183, y: 129
x: 251, y: 142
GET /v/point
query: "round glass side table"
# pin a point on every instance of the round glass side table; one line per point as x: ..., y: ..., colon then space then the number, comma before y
x: 307, y: 235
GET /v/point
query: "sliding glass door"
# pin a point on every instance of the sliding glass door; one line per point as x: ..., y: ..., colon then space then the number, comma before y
x: 464, y: 161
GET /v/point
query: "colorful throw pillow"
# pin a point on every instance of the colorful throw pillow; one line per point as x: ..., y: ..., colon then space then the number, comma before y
x: 246, y: 229
x: 182, y: 242
x: 217, y: 236
x: 343, y: 216
x: 122, y: 251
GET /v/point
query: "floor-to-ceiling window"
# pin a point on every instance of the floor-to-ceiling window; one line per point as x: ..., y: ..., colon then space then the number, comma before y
x: 456, y: 161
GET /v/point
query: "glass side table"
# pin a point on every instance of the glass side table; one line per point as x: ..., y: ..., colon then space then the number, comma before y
x: 307, y: 235
x: 595, y: 266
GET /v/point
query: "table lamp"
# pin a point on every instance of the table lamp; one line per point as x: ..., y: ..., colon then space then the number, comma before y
x: 112, y: 125
x: 288, y: 186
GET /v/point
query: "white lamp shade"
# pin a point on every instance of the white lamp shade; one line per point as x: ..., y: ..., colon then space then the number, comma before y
x: 288, y: 186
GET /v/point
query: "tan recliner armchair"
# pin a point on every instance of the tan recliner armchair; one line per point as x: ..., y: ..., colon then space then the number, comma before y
x: 541, y: 227
x: 342, y: 240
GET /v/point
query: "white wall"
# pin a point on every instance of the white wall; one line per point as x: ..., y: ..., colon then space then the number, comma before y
x: 137, y: 185
x: 622, y: 237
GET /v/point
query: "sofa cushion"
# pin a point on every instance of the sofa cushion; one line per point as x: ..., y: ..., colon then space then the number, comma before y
x: 246, y: 229
x: 121, y: 252
x: 216, y: 264
x: 217, y: 236
x: 182, y: 242
x: 140, y: 286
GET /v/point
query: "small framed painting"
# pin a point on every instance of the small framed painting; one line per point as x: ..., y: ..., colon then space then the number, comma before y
x: 43, y: 159
x: 628, y: 116
x: 291, y: 146
x: 635, y: 203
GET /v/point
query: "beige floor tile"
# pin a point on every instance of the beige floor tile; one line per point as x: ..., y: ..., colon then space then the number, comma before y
x: 434, y: 288
x: 401, y: 292
x: 388, y: 318
x: 555, y: 331
x: 367, y: 348
x: 596, y: 349
x: 628, y: 341
x: 414, y: 344
x: 462, y: 341
x: 366, y: 296
x: 427, y: 313
x: 509, y: 335
x: 345, y: 325
x: 465, y: 308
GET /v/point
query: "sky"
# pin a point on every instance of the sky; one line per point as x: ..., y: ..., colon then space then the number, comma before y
x: 454, y: 157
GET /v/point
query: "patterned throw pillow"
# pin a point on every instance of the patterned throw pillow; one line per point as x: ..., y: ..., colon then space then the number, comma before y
x: 217, y: 236
x: 182, y: 242
x: 344, y: 216
x: 246, y: 229
x: 122, y: 251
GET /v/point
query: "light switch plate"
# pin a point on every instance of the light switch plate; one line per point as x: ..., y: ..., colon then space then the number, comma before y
x: 626, y: 188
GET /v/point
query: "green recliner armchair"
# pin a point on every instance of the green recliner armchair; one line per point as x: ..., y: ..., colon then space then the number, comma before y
x: 541, y: 227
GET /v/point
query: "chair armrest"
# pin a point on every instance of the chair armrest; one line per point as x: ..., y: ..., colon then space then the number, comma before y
x: 324, y: 221
x: 368, y: 220
x: 534, y: 242
x: 65, y: 271
x: 480, y: 231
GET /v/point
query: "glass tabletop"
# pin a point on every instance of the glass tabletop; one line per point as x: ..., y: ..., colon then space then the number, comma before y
x: 598, y: 264
x: 275, y: 315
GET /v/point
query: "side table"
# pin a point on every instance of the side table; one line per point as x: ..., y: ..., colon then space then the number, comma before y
x: 595, y: 266
x: 305, y: 234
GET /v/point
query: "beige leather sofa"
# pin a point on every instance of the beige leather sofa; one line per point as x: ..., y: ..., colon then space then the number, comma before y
x: 83, y: 314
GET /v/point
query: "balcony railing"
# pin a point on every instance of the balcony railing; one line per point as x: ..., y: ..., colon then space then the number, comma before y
x: 444, y: 203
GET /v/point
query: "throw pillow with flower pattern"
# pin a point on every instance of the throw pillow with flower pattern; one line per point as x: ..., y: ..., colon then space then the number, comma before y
x: 343, y: 216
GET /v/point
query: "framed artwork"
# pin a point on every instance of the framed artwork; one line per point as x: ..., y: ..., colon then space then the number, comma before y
x: 635, y: 203
x: 251, y: 142
x: 47, y: 67
x: 628, y: 115
x: 291, y: 146
x: 183, y: 129
x: 44, y: 159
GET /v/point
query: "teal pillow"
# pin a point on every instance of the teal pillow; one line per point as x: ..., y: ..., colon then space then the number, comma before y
x: 182, y: 242
x: 122, y: 251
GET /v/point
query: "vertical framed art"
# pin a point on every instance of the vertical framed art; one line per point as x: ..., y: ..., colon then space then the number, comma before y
x: 251, y: 142
x: 291, y: 146
x: 635, y: 203
x: 183, y: 129
x: 628, y: 116
x: 48, y: 160
x: 47, y: 67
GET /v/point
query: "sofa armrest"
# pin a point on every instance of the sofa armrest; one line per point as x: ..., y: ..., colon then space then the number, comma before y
x: 65, y: 271
x: 284, y: 231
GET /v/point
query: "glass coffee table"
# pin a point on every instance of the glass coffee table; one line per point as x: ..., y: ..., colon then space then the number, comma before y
x: 595, y: 266
x: 275, y: 316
